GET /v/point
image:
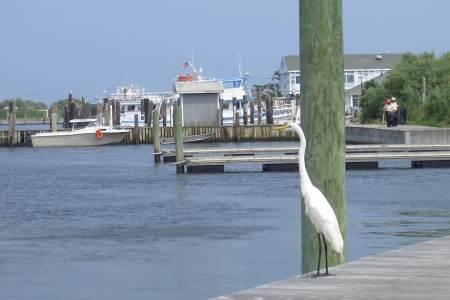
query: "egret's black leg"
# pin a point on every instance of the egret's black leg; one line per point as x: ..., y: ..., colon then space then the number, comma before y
x: 326, y: 254
x: 320, y: 252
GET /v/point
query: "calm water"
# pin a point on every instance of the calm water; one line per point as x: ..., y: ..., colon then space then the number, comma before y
x: 106, y: 223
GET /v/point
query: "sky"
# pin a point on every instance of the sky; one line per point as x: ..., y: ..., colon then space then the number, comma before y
x: 50, y: 48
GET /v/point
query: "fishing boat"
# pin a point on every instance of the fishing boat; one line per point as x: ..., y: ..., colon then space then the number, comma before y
x: 131, y: 103
x: 93, y: 134
x: 237, y: 88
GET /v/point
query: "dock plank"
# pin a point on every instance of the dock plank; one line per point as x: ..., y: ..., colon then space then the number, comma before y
x: 419, y: 271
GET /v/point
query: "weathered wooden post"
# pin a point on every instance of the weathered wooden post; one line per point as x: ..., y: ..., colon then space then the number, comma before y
x: 108, y: 113
x: 269, y: 110
x: 54, y: 117
x: 155, y: 134
x: 12, y: 123
x: 245, y: 103
x: 164, y: 112
x: 116, y: 113
x: 234, y: 111
x: 322, y: 115
x: 72, y: 108
x: 259, y: 95
x: 136, y: 129
x: 85, y: 110
x: 145, y: 107
x: 221, y: 111
x: 237, y: 127
x: 66, y: 116
x: 150, y: 114
x: 252, y: 112
x: 99, y: 114
x: 171, y: 111
x: 179, y: 150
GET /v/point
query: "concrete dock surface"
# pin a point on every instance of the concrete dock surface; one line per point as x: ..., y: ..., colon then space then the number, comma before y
x: 419, y: 271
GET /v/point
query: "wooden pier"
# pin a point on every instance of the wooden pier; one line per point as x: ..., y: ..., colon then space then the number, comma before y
x: 419, y: 271
x: 285, y: 159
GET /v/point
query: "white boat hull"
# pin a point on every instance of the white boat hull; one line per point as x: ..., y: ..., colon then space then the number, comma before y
x: 70, y: 139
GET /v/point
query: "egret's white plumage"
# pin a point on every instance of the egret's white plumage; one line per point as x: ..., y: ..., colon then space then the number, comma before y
x: 317, y: 207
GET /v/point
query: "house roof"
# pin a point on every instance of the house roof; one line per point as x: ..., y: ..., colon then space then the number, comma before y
x: 352, y: 61
x: 356, y: 90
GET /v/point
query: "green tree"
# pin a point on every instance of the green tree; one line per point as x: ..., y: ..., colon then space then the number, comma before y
x: 405, y: 83
x: 270, y: 89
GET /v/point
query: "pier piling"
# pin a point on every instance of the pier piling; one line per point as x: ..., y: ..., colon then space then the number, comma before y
x: 322, y: 95
x: 179, y: 151
x: 155, y: 134
x: 12, y: 123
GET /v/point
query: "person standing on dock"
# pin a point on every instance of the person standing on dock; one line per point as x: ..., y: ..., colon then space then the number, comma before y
x: 388, y: 109
x: 395, y: 105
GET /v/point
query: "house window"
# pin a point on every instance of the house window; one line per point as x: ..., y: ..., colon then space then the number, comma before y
x: 355, y: 100
x: 297, y: 79
x: 349, y: 78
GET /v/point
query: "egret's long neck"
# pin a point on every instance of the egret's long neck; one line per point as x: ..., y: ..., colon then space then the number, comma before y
x: 304, y: 178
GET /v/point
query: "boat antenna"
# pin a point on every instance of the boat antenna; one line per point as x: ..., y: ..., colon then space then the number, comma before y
x: 239, y: 64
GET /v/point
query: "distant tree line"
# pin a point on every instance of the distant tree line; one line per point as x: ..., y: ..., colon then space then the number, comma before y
x: 28, y: 109
x: 404, y: 83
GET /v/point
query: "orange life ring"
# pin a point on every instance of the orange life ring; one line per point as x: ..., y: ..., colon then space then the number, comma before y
x: 182, y: 78
x: 99, y: 133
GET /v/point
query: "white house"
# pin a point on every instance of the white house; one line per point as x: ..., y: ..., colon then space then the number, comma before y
x: 358, y: 68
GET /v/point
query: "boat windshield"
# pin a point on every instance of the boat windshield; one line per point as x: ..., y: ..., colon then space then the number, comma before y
x: 94, y: 124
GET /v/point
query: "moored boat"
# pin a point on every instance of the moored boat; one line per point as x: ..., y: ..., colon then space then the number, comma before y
x: 93, y: 134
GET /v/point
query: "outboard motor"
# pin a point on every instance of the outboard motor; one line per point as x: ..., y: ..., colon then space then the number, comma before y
x: 28, y: 137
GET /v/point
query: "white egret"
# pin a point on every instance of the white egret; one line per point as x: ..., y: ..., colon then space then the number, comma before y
x: 317, y: 207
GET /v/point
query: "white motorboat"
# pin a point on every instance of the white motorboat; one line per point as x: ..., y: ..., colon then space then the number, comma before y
x: 93, y: 134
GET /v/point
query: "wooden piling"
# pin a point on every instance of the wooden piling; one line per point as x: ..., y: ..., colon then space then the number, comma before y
x: 116, y: 113
x: 99, y: 114
x: 245, y: 103
x: 234, y: 111
x: 164, y: 112
x: 145, y: 106
x: 269, y: 110
x: 322, y: 95
x: 155, y: 134
x: 72, y: 109
x: 221, y: 111
x: 179, y: 150
x: 237, y: 127
x: 66, y: 116
x: 259, y: 95
x: 12, y: 123
x: 54, y: 118
x: 252, y: 112
x: 136, y: 129
x: 150, y: 114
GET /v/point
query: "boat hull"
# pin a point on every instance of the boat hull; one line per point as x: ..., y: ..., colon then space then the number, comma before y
x: 70, y: 139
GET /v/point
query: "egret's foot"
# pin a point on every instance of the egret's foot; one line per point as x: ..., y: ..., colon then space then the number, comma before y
x: 320, y: 275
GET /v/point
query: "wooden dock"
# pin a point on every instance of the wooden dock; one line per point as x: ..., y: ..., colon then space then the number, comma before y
x: 419, y: 271
x: 282, y: 159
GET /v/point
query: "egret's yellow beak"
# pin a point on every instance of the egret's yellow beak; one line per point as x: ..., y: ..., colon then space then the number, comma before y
x: 282, y: 127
